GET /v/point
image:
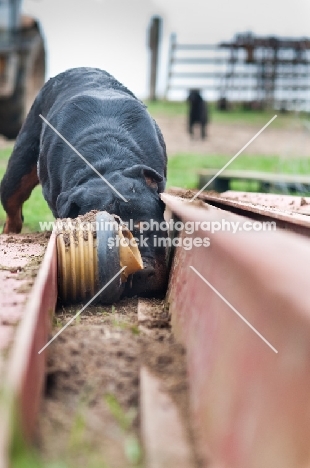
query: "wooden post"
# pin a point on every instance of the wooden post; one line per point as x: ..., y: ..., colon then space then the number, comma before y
x: 172, y: 48
x: 154, y: 38
x: 15, y: 7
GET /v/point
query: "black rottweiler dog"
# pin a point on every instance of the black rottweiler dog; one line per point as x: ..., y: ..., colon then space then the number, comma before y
x: 113, y: 130
x: 198, y: 112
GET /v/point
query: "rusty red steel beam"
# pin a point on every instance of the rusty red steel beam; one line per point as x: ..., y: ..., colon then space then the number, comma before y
x: 23, y: 378
x: 286, y: 218
x: 251, y: 404
x: 165, y: 441
x: 287, y: 211
x: 287, y: 203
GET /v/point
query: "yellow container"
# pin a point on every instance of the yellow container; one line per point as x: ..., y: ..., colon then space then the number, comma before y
x: 91, y: 253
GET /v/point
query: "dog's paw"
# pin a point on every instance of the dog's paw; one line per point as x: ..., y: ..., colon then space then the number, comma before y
x: 12, y: 226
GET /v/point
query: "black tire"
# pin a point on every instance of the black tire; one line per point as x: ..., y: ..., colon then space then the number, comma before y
x: 30, y: 78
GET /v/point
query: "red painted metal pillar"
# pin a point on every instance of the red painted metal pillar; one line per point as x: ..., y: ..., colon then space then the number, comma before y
x: 250, y: 403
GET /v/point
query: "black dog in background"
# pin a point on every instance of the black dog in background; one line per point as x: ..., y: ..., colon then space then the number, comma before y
x: 198, y: 112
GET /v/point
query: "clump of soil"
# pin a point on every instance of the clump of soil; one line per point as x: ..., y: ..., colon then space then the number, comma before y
x: 182, y: 193
x: 40, y: 238
x: 72, y: 225
x: 27, y: 268
x: 90, y: 414
x: 87, y: 221
x: 189, y: 194
x: 88, y: 217
x: 29, y: 273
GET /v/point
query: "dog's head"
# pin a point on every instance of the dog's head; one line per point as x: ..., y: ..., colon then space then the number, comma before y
x: 131, y: 194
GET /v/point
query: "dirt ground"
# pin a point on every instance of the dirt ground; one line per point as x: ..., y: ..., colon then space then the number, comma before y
x: 90, y: 415
x: 228, y: 139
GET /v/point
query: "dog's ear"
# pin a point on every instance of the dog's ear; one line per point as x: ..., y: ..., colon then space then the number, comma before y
x: 80, y: 200
x: 67, y: 205
x: 151, y: 177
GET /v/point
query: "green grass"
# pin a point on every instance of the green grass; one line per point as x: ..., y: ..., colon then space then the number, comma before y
x: 183, y: 168
x: 34, y: 210
x: 132, y: 446
x: 235, y: 116
x: 21, y: 454
x: 182, y: 172
x: 80, y: 449
x: 167, y: 108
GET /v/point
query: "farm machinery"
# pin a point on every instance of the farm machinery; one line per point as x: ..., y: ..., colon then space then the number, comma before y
x: 22, y: 65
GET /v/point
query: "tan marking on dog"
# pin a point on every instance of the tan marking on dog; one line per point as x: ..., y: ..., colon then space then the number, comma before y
x: 14, y: 223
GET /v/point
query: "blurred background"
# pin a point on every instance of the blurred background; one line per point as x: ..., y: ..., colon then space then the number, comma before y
x: 113, y: 34
x: 248, y: 60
